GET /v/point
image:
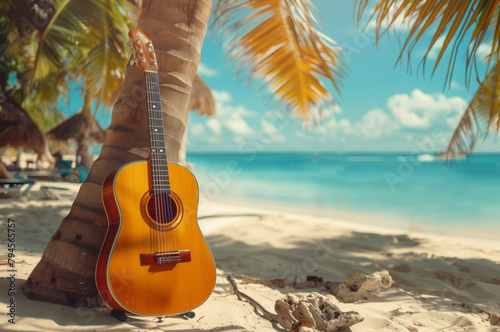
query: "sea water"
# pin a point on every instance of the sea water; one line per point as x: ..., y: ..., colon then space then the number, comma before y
x: 413, y: 191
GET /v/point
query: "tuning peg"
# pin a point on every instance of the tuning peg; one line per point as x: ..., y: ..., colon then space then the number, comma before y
x: 149, y: 44
x: 153, y: 62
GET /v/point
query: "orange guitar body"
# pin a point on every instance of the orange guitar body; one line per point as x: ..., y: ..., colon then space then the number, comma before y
x: 148, y: 267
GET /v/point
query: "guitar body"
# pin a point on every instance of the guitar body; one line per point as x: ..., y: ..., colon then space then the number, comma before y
x: 150, y: 266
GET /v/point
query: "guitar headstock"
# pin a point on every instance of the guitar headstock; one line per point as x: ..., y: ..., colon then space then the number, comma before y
x: 142, y: 51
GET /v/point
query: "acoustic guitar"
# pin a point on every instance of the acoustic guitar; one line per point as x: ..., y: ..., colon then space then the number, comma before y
x: 154, y: 259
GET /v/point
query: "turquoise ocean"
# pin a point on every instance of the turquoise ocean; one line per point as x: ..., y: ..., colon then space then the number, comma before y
x: 413, y: 192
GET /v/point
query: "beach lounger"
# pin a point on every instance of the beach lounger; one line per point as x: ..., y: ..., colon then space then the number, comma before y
x: 50, y: 191
x: 43, y: 174
x: 12, y: 187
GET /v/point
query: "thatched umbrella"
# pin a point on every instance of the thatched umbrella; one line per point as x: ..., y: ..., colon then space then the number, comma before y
x: 17, y: 130
x: 74, y: 127
x: 201, y: 98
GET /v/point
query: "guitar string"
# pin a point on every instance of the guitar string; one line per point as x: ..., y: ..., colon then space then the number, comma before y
x: 170, y: 201
x: 152, y: 243
x: 161, y: 166
x: 172, y: 235
x: 157, y: 174
x: 169, y: 197
x: 163, y: 195
x: 167, y: 200
x: 151, y: 148
x: 153, y: 167
x: 163, y: 192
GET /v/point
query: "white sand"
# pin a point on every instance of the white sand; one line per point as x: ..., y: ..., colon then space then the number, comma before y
x: 432, y: 272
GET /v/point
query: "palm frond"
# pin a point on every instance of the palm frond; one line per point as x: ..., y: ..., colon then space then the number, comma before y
x: 481, y: 116
x: 104, y: 63
x: 469, y: 21
x: 277, y: 41
x: 85, y: 37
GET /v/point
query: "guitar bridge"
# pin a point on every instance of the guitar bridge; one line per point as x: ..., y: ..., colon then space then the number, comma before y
x: 166, y: 257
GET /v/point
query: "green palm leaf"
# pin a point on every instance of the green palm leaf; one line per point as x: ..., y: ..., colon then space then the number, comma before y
x: 276, y: 41
x: 85, y: 37
x: 471, y: 21
x: 481, y: 115
x: 104, y: 62
x: 474, y: 22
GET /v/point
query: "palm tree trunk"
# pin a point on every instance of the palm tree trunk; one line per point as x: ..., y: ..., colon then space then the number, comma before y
x: 83, y: 141
x: 47, y: 155
x: 65, y: 274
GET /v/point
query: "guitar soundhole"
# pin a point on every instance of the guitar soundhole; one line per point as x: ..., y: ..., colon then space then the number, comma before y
x: 163, y: 211
x: 162, y: 208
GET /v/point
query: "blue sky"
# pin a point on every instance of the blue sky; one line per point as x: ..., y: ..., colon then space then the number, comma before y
x: 381, y: 107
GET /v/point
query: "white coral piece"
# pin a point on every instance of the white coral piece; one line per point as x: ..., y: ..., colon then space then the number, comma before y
x: 317, y: 310
x: 359, y: 286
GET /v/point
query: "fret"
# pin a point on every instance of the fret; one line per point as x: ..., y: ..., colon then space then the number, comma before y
x: 161, y: 191
x: 156, y: 170
x: 155, y: 155
x: 159, y: 175
x: 155, y: 117
x: 158, y: 167
x: 156, y: 110
x: 158, y: 162
x: 158, y: 155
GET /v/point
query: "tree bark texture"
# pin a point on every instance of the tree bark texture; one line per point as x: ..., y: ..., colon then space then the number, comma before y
x: 83, y: 141
x: 65, y: 274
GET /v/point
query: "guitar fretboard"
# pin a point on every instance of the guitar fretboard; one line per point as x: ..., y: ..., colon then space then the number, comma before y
x: 158, y: 152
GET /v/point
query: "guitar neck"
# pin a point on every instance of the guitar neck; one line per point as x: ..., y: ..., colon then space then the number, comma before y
x: 158, y: 152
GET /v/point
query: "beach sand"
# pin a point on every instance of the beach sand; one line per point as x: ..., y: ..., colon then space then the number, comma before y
x: 432, y: 273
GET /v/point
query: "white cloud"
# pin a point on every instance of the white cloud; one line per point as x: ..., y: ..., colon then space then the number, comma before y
x: 271, y: 131
x: 436, y: 48
x: 421, y: 111
x: 239, y: 126
x: 240, y: 111
x: 197, y: 129
x: 455, y: 85
x: 416, y: 110
x: 223, y: 107
x: 214, y: 139
x: 344, y: 124
x: 335, y: 109
x: 334, y: 126
x: 376, y: 123
x: 231, y: 116
x: 221, y: 96
x: 300, y: 134
x: 203, y: 70
x: 483, y: 51
x: 401, y: 23
x: 214, y: 125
